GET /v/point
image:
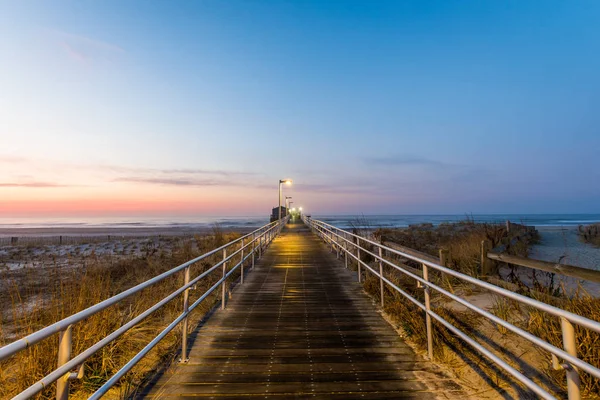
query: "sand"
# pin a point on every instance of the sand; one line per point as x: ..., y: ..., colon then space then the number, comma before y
x: 98, y: 231
x: 562, y: 245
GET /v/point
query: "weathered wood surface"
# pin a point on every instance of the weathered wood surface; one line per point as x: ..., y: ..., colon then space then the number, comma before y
x: 301, y: 327
x: 562, y: 269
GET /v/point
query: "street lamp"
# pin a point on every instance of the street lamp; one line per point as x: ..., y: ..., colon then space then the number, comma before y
x: 287, y: 206
x: 287, y: 182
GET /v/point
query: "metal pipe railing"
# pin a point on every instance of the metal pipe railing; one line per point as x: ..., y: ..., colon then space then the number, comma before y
x: 339, y: 239
x: 256, y: 241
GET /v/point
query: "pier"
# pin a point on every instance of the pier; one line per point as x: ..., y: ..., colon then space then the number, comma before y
x: 291, y: 318
x: 301, y: 327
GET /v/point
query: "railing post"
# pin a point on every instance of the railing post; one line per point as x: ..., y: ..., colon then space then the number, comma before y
x: 184, y: 325
x: 65, y: 341
x: 331, y: 239
x: 358, y: 258
x: 381, y: 275
x: 346, y: 250
x: 242, y: 263
x: 223, y: 289
x: 253, y: 243
x: 570, y: 346
x: 427, y: 316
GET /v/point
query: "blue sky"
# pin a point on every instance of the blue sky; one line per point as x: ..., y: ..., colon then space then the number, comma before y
x: 200, y: 107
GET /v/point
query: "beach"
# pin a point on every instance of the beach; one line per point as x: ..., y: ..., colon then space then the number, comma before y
x: 562, y: 245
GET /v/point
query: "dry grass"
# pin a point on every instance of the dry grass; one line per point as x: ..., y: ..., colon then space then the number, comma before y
x: 590, y: 234
x: 463, y: 240
x: 37, y: 300
x: 548, y: 328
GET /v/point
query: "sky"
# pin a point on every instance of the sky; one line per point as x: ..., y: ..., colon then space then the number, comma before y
x: 193, y: 108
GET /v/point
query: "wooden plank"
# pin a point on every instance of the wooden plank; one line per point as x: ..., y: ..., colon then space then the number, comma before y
x: 300, y: 327
x: 562, y: 269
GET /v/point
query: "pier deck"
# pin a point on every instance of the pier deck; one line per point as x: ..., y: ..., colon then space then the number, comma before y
x: 301, y: 327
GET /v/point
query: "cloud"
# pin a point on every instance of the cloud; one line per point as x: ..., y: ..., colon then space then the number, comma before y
x: 85, y: 50
x: 74, y: 54
x: 32, y: 184
x: 89, y: 42
x: 173, y: 181
x: 11, y: 159
x: 175, y: 171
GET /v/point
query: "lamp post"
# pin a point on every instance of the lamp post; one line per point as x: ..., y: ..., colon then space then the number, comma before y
x: 287, y: 206
x: 287, y: 182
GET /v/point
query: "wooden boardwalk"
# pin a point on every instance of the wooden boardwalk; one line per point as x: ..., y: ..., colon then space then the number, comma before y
x: 301, y: 327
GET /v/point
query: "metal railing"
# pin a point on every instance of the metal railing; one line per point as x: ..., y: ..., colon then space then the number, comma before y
x: 251, y: 246
x: 351, y: 246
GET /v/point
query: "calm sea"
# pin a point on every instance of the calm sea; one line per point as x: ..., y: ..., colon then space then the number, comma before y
x: 376, y: 221
x: 342, y: 221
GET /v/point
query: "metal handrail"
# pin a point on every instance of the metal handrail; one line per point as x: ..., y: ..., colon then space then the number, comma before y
x: 339, y: 240
x: 259, y: 240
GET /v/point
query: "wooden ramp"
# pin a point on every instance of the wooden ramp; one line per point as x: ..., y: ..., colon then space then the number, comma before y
x: 301, y: 327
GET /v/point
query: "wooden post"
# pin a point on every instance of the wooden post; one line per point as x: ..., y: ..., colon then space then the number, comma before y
x: 486, y: 264
x: 444, y: 263
x: 507, y: 226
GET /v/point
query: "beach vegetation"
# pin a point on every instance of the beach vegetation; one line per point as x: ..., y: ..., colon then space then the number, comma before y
x: 462, y: 241
x: 32, y: 298
x: 590, y: 234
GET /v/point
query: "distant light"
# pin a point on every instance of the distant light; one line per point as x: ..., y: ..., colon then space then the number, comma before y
x: 300, y: 209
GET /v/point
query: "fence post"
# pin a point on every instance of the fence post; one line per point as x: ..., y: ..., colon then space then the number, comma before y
x: 381, y: 275
x: 223, y: 290
x: 427, y: 316
x: 253, y: 243
x: 570, y: 346
x: 346, y: 250
x: 242, y: 263
x: 358, y: 258
x: 486, y: 246
x: 65, y: 341
x: 444, y: 263
x: 184, y: 325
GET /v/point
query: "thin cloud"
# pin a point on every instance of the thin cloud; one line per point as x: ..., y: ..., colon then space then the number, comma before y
x: 32, y: 184
x: 85, y: 50
x: 11, y: 159
x: 172, y: 181
x: 75, y: 54
x: 173, y: 171
x: 87, y: 41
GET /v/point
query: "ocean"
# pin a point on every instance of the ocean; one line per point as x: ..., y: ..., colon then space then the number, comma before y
x: 396, y: 221
x: 341, y: 221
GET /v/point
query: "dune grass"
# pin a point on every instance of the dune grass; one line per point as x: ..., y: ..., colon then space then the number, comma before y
x: 590, y: 234
x: 41, y: 299
x: 463, y: 242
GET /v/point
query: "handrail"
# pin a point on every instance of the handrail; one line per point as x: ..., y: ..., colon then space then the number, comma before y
x: 259, y: 240
x: 562, y: 269
x: 339, y: 239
